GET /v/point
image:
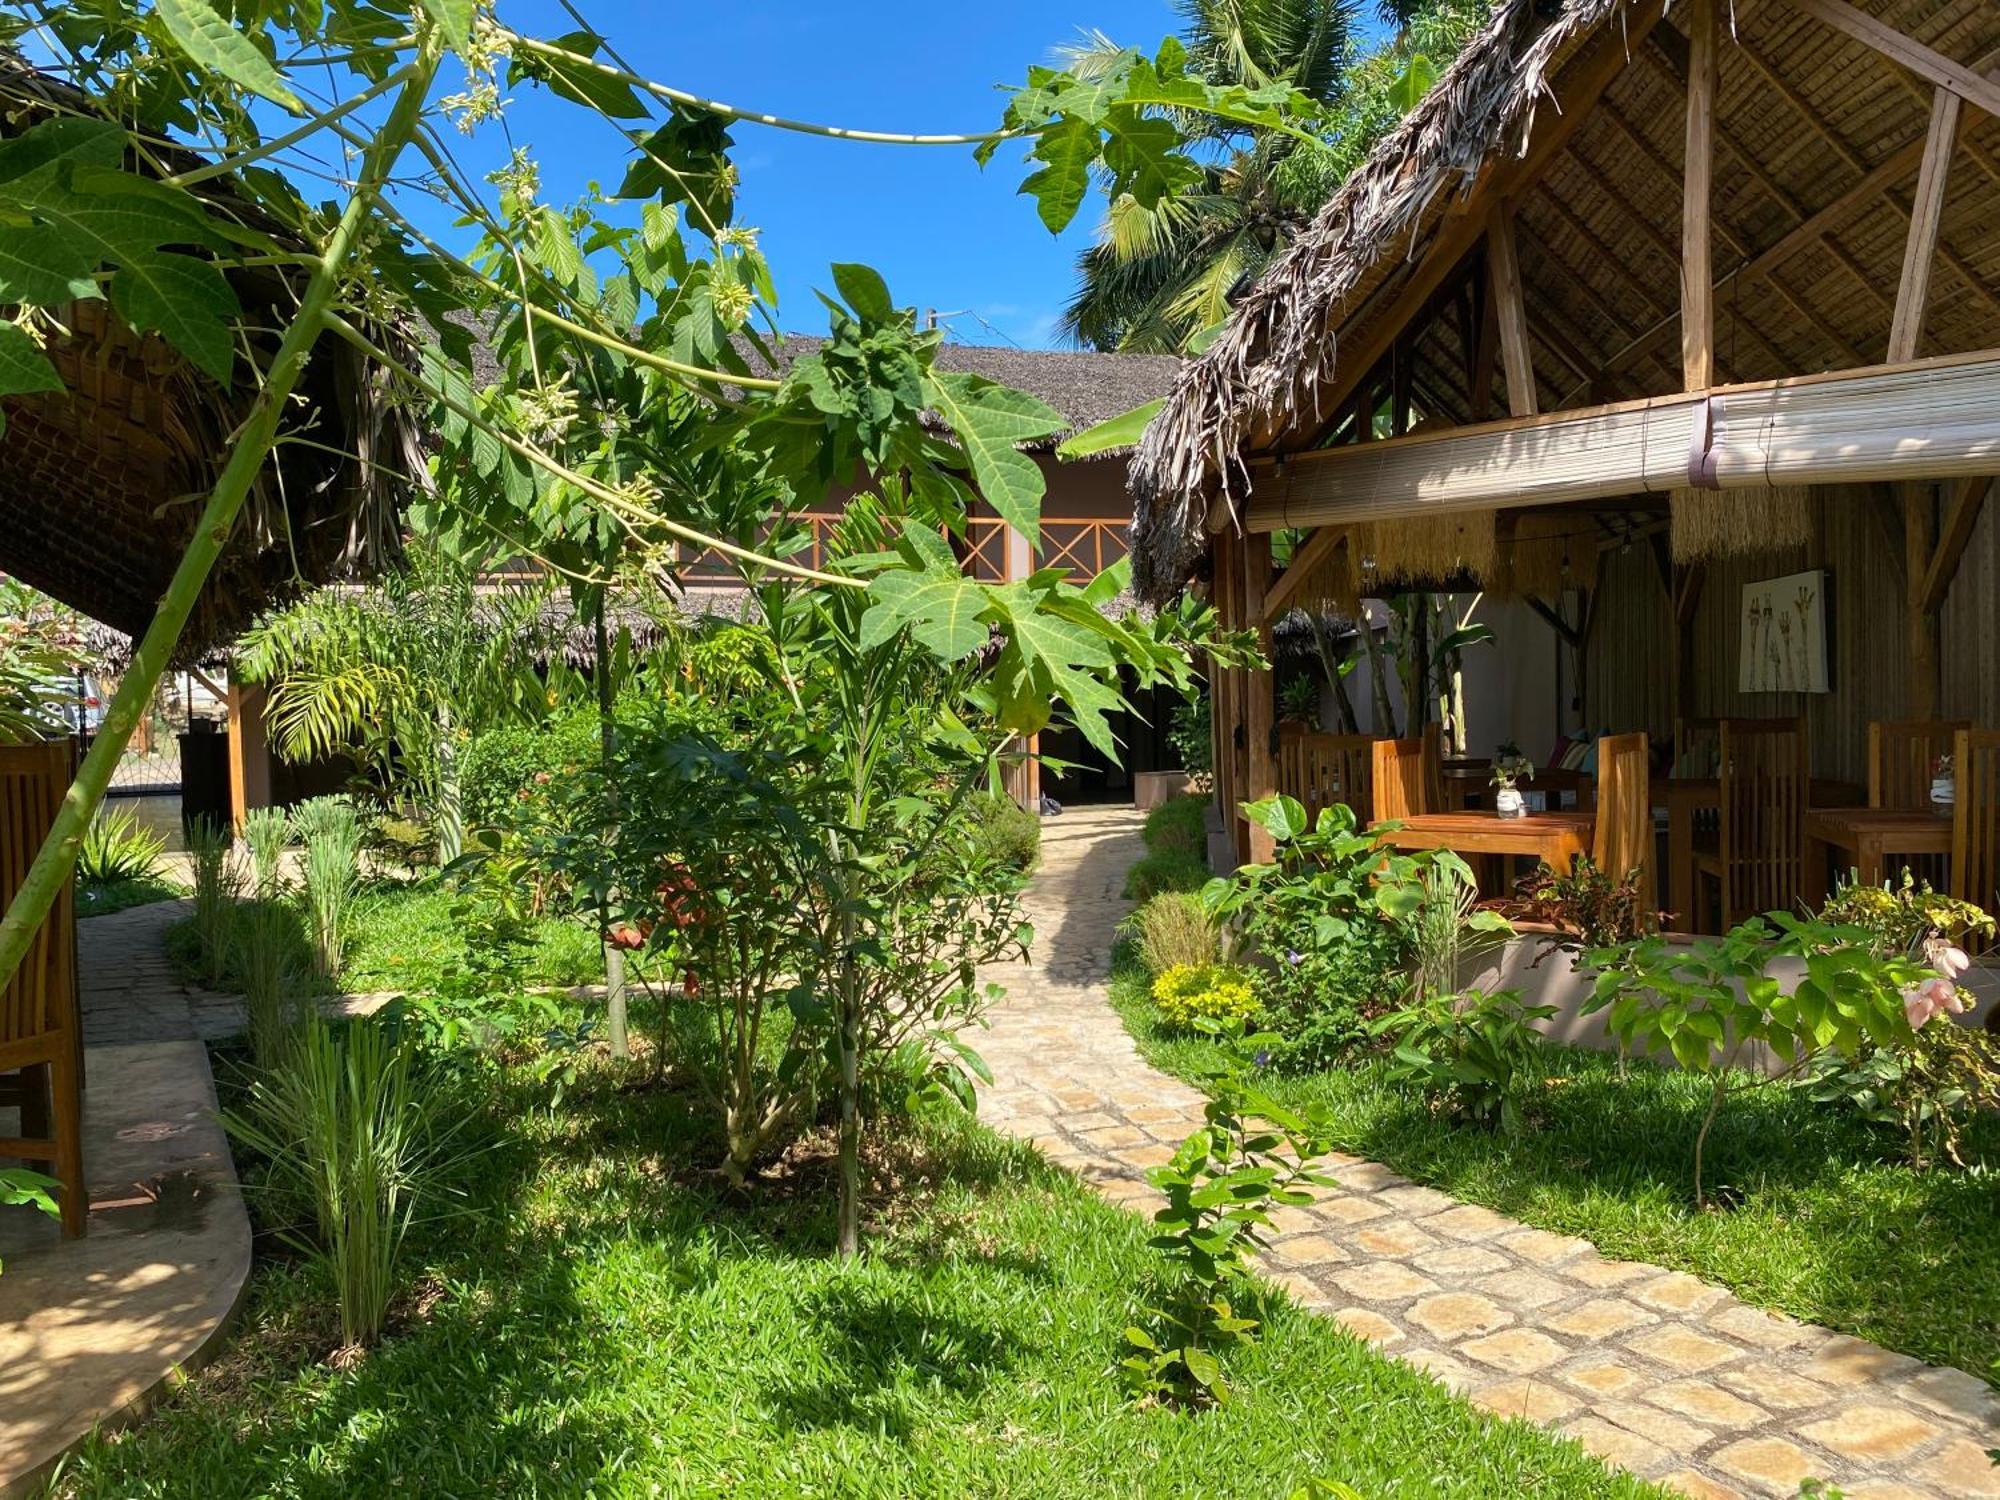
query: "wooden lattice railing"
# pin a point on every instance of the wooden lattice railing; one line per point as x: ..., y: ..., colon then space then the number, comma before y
x: 1082, y: 547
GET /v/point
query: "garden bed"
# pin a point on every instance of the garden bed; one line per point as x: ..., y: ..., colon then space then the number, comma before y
x: 1817, y: 1220
x: 603, y: 1317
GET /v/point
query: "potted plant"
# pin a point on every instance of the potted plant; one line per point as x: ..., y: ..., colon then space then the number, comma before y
x: 1944, y: 786
x: 1510, y: 766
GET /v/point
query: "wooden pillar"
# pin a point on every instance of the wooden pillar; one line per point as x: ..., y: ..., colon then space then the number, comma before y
x: 1697, y: 269
x: 1225, y: 713
x: 249, y: 750
x: 1260, y: 717
x: 1920, y: 623
x: 1926, y: 213
x: 1511, y: 312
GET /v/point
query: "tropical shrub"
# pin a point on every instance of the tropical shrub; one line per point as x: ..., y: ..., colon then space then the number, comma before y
x: 218, y: 887
x: 501, y: 766
x: 266, y: 832
x: 1165, y: 870
x: 329, y: 829
x: 1330, y: 917
x: 1591, y: 907
x: 1708, y: 1003
x: 1254, y: 1153
x: 117, y: 846
x: 1907, y: 916
x: 1174, y: 928
x: 1478, y: 1054
x: 1179, y: 823
x: 1190, y: 732
x: 1189, y: 994
x: 1448, y: 927
x: 357, y: 1127
x: 1003, y: 832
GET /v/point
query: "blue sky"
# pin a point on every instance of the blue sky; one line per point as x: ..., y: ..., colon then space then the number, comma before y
x: 943, y: 232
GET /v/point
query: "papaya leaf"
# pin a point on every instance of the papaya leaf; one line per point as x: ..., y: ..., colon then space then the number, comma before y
x: 942, y: 610
x: 216, y: 47
x: 24, y: 369
x: 991, y: 421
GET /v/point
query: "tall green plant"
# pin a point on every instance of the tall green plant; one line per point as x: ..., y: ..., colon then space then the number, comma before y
x: 266, y: 832
x: 357, y: 1128
x: 119, y: 847
x: 218, y: 888
x: 329, y: 829
x: 265, y: 949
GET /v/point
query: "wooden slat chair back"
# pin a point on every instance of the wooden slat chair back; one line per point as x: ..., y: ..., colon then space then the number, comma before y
x: 1975, y: 817
x: 1322, y: 769
x: 1766, y: 780
x: 1622, y: 837
x: 1408, y: 776
x: 41, y: 1039
x: 1900, y: 757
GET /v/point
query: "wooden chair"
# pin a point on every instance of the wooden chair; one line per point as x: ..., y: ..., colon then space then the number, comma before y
x: 1407, y: 777
x: 1975, y: 817
x: 1695, y: 747
x: 1322, y: 769
x: 1760, y: 849
x: 1900, y: 757
x: 41, y: 1039
x: 1622, y: 835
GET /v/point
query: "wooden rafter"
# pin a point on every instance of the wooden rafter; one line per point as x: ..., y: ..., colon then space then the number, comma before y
x: 1968, y: 498
x: 1462, y: 228
x: 1504, y: 284
x: 1926, y: 214
x: 1697, y: 239
x: 1906, y: 51
x: 1307, y: 558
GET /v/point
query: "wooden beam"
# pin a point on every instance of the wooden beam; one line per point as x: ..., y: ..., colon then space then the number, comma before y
x: 1906, y: 51
x: 1565, y: 631
x: 1926, y: 213
x: 1968, y: 498
x: 1920, y: 624
x: 1509, y: 173
x: 1260, y: 717
x: 1485, y: 356
x: 1515, y: 359
x: 1697, y: 247
x: 1313, y: 551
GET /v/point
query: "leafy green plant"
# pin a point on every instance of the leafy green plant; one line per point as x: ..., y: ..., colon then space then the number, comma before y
x: 1165, y: 870
x: 218, y: 888
x: 1003, y: 831
x: 1190, y: 732
x: 1174, y: 928
x: 329, y: 829
x: 1179, y: 823
x: 1902, y: 916
x: 1189, y: 995
x: 1253, y: 1154
x: 265, y: 964
x: 1298, y: 701
x: 266, y: 832
x: 1591, y: 907
x: 1477, y: 1052
x: 1708, y: 1003
x: 1448, y: 926
x: 118, y: 847
x: 356, y: 1127
x: 23, y: 1187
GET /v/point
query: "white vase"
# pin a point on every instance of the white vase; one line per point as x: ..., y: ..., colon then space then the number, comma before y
x: 1943, y: 792
x: 1507, y: 802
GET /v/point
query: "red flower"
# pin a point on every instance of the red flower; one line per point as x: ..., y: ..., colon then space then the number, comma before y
x: 627, y: 935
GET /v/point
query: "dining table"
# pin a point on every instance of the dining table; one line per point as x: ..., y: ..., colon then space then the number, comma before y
x: 1867, y: 837
x: 1555, y: 838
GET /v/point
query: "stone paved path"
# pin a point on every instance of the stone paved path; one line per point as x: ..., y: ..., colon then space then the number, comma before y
x: 129, y: 990
x: 1653, y: 1370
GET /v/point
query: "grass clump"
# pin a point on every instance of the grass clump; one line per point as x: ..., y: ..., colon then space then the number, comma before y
x: 118, y: 849
x: 1003, y: 831
x: 330, y: 830
x: 1165, y: 870
x: 266, y: 832
x: 1174, y: 928
x: 1178, y: 823
x: 218, y: 887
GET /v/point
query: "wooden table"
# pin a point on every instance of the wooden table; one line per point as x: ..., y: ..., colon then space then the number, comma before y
x: 1868, y: 836
x: 1553, y: 837
x: 1685, y: 796
x: 1466, y: 780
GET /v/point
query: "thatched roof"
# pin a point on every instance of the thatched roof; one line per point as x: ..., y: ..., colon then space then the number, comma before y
x: 1809, y: 120
x: 101, y: 486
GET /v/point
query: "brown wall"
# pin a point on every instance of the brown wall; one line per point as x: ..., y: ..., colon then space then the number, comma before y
x: 1629, y: 668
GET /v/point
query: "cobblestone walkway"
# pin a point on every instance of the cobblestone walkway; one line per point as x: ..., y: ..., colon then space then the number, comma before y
x: 1653, y: 1370
x: 130, y: 992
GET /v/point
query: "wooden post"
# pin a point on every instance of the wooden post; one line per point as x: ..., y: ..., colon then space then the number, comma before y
x: 1920, y: 623
x: 1913, y: 292
x: 249, y: 750
x: 1511, y: 311
x: 1260, y: 716
x: 1697, y: 270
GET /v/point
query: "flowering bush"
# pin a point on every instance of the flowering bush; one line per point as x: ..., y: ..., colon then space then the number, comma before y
x: 1187, y: 993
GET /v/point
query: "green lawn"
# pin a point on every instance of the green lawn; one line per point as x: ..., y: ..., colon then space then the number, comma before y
x: 1822, y: 1225
x: 102, y: 898
x: 608, y: 1320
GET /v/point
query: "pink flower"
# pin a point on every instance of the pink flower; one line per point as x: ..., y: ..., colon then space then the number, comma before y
x: 1951, y: 962
x: 1917, y: 1008
x: 1932, y: 997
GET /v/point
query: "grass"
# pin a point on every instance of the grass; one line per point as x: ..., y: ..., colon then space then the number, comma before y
x: 404, y: 937
x: 101, y: 898
x: 1821, y: 1223
x: 607, y: 1319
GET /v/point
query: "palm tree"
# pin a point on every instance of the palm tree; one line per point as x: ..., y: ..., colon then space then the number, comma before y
x: 1157, y: 278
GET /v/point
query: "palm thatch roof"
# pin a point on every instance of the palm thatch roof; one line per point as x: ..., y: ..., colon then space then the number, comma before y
x: 1572, y: 112
x: 102, y: 484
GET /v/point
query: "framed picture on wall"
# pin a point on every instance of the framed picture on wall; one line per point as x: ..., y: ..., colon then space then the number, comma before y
x: 1783, y: 646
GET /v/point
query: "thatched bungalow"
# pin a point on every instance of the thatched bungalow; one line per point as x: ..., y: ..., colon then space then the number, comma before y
x: 1642, y: 305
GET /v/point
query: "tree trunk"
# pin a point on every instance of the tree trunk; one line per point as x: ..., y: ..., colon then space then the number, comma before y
x: 450, y: 825
x: 1378, y: 674
x: 253, y: 443
x: 614, y: 956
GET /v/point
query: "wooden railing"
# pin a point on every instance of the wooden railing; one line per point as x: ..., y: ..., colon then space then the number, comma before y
x: 1081, y: 547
